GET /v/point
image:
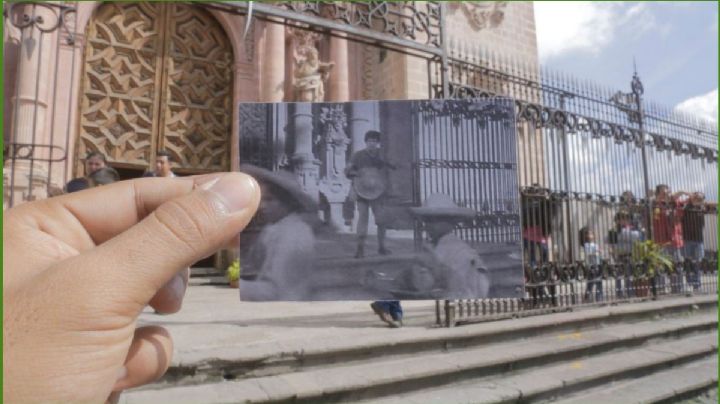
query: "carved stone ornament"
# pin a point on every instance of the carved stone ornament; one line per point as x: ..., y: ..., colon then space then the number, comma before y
x: 335, y: 139
x: 309, y: 72
x: 481, y: 14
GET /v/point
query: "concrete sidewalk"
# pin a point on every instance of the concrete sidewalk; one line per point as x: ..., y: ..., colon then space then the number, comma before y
x: 213, y: 318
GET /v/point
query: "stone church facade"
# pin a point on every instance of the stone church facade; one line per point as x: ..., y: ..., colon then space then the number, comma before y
x: 129, y: 79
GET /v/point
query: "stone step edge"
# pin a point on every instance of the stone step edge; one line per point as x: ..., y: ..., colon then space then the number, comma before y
x: 517, y: 387
x: 409, y: 381
x: 637, y: 370
x: 255, y: 356
x: 662, y: 395
x: 442, y: 378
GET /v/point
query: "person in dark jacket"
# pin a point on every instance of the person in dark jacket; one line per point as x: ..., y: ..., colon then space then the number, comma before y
x: 693, y: 226
x: 93, y: 161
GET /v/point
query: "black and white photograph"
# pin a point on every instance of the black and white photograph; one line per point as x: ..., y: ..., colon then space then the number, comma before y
x: 382, y: 200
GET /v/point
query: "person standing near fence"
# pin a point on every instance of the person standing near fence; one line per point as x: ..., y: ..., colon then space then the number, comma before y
x: 622, y: 238
x: 537, y: 214
x: 592, y: 262
x: 667, y: 221
x: 693, y: 225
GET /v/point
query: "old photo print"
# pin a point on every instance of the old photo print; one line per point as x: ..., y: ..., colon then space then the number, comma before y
x: 376, y: 200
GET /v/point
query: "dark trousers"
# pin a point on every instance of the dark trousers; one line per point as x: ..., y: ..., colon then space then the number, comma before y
x: 537, y: 293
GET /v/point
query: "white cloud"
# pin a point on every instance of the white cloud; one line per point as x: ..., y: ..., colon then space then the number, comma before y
x: 568, y: 26
x: 704, y: 106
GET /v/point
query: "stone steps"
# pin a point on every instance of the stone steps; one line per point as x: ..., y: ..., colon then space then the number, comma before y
x: 381, y: 368
x: 669, y: 385
x: 636, y: 375
x: 238, y: 362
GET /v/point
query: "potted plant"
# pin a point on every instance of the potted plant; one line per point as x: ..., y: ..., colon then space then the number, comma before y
x: 233, y: 274
x: 649, y: 258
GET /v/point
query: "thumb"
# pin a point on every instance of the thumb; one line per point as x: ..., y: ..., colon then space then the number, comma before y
x: 126, y: 271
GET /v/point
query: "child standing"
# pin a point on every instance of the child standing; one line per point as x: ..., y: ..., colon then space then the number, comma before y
x: 592, y: 261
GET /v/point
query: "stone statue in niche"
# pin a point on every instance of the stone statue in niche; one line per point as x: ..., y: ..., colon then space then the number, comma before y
x: 309, y: 72
x: 334, y: 139
x: 333, y: 142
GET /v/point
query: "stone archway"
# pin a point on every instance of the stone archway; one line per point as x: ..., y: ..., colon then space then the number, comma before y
x: 157, y: 76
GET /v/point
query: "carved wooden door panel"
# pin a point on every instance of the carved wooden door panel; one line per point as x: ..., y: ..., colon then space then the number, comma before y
x: 157, y: 76
x: 198, y: 90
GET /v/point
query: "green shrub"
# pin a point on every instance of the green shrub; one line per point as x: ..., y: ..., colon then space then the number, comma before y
x: 652, y: 255
x: 233, y: 271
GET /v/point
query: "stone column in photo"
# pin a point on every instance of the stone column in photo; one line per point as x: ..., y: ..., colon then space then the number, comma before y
x: 304, y: 163
x: 29, y: 179
x: 272, y: 86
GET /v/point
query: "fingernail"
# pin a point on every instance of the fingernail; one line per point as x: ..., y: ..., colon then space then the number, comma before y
x: 177, y: 287
x: 236, y: 190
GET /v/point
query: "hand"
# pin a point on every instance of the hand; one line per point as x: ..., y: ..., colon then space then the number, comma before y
x: 79, y: 269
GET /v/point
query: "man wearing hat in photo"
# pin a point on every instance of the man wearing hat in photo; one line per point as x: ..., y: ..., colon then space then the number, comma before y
x: 278, y: 263
x: 461, y: 266
x: 368, y: 171
x: 467, y: 277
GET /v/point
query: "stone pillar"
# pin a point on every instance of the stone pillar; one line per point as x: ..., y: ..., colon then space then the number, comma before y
x: 339, y: 79
x: 305, y: 165
x: 272, y: 87
x: 31, y: 102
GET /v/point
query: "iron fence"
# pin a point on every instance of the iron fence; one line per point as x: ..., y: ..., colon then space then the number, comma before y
x: 599, y: 173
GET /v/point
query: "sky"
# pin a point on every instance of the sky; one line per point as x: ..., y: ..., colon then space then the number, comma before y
x: 675, y: 46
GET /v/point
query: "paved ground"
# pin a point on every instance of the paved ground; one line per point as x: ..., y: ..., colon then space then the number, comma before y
x: 213, y: 318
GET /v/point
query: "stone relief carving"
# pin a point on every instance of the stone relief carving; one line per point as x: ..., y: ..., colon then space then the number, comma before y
x: 481, y: 14
x: 309, y: 72
x: 334, y: 139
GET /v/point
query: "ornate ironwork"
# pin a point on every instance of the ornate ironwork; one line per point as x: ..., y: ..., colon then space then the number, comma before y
x: 33, y: 152
x: 418, y: 21
x: 547, y: 117
x: 462, y: 164
x: 17, y: 14
x: 482, y: 109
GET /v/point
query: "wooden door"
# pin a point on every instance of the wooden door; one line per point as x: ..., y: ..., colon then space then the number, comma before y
x: 156, y: 76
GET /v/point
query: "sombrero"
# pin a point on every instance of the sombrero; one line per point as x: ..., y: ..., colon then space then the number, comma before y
x: 284, y: 180
x: 442, y: 206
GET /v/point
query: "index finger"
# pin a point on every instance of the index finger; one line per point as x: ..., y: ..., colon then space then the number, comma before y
x: 88, y: 218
